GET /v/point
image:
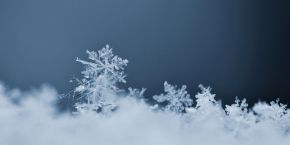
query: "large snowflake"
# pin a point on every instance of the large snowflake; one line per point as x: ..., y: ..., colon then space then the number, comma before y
x: 101, y: 75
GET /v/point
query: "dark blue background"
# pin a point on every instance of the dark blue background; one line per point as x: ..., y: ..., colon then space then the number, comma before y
x: 240, y: 48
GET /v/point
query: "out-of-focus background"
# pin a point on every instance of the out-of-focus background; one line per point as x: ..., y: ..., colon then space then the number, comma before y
x: 239, y: 48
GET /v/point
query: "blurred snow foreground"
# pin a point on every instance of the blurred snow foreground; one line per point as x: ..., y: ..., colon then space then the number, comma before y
x: 107, y: 115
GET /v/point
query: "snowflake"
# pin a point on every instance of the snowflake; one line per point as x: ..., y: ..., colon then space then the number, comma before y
x: 205, y: 98
x: 101, y: 76
x: 275, y: 113
x: 177, y: 99
x: 239, y: 118
x: 105, y: 63
x: 137, y: 93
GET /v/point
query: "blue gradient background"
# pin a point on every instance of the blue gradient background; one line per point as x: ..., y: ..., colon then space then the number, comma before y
x: 240, y: 48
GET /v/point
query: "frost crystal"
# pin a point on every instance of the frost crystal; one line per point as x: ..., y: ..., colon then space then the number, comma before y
x: 177, y: 99
x: 139, y: 94
x: 205, y: 98
x: 206, y: 107
x: 274, y: 113
x: 239, y: 118
x: 101, y: 75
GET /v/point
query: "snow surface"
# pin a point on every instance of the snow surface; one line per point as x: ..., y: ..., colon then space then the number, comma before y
x: 108, y: 115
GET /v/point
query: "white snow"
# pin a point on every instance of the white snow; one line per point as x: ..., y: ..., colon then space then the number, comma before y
x: 31, y: 118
